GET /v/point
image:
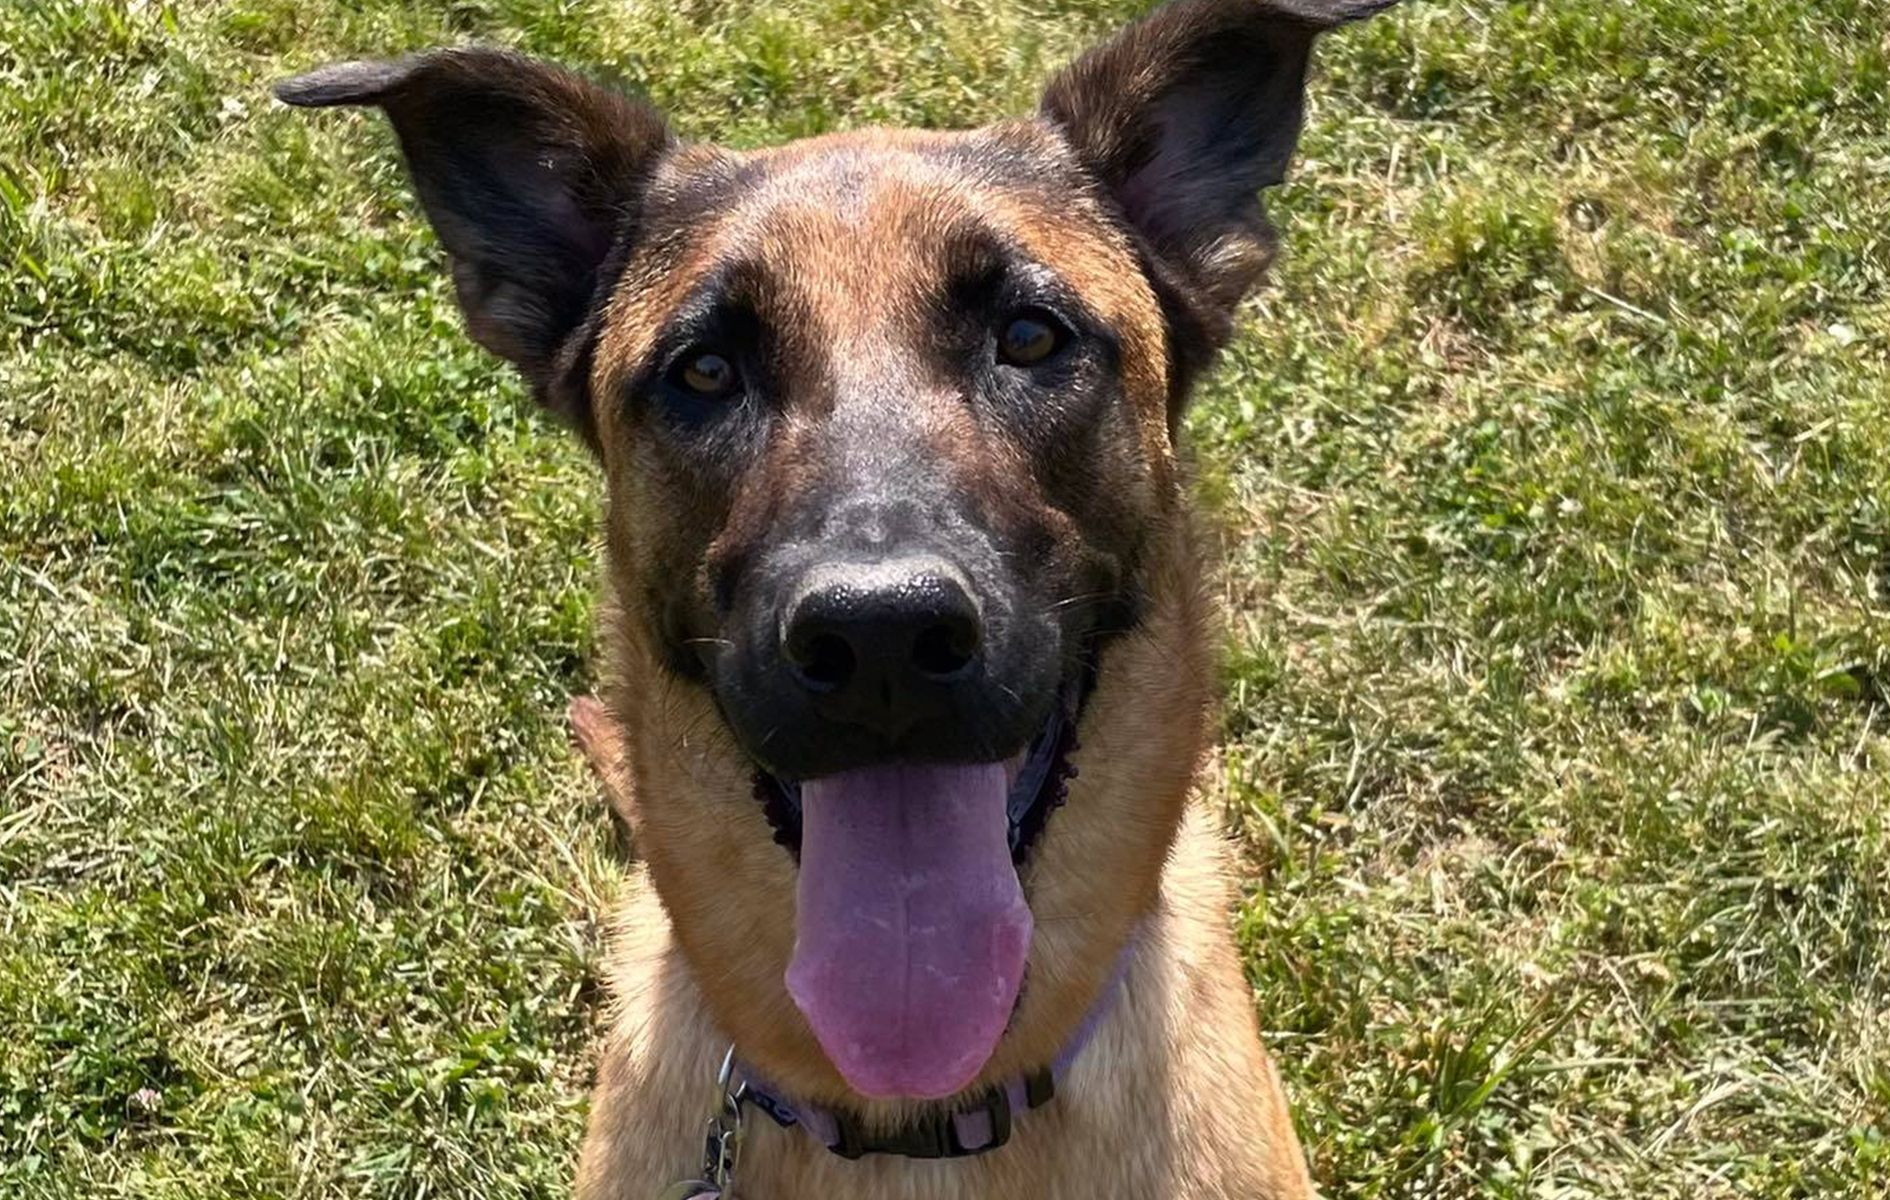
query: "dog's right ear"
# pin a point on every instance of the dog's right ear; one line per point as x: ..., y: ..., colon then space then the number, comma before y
x: 1183, y: 118
x: 529, y: 175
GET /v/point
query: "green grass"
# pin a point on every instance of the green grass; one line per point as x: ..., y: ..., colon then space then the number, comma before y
x: 1555, y: 475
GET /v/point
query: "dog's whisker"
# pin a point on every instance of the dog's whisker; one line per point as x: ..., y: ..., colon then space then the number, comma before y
x: 1059, y: 918
x: 1072, y: 602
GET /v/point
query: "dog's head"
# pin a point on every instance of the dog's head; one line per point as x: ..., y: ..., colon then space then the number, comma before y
x: 894, y: 517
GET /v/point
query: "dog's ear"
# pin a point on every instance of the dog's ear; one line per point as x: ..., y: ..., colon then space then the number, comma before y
x: 529, y: 175
x: 1184, y: 117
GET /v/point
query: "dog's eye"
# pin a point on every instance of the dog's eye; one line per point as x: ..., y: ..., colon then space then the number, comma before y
x: 1030, y: 337
x: 704, y: 373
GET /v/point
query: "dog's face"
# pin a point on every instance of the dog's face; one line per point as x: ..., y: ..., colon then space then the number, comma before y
x: 887, y: 420
x: 887, y: 424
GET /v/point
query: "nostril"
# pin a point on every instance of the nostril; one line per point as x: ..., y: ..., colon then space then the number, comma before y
x: 824, y: 661
x: 945, y: 649
x: 878, y: 641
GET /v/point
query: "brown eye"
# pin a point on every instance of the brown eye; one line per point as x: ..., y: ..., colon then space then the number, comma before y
x: 1029, y: 338
x: 705, y: 373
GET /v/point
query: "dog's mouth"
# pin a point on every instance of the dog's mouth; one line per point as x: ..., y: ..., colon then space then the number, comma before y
x: 1037, y: 783
x: 912, y: 928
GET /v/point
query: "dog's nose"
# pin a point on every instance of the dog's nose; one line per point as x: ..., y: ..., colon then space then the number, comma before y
x: 879, y: 644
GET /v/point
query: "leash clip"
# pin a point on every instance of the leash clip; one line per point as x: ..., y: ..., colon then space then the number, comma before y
x: 722, y: 1142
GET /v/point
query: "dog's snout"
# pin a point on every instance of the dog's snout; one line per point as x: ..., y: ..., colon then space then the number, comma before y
x: 874, y: 643
x: 843, y: 655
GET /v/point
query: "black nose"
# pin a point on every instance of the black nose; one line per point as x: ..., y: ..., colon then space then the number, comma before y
x: 880, y: 644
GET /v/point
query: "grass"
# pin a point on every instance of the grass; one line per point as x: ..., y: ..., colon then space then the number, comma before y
x: 1555, y: 476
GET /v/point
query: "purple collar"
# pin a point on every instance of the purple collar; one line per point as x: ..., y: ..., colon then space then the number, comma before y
x: 965, y: 1128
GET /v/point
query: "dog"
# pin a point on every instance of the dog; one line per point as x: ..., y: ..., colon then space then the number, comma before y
x: 908, y: 660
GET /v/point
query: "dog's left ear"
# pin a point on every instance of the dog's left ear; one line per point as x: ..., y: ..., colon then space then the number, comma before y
x: 1184, y: 117
x: 529, y: 175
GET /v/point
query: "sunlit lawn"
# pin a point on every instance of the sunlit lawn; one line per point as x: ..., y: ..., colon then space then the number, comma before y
x: 1555, y: 476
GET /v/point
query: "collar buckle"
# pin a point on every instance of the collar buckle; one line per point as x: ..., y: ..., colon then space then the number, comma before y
x: 938, y: 1135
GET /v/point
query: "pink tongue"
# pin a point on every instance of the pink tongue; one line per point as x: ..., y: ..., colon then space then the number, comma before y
x: 911, y: 930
